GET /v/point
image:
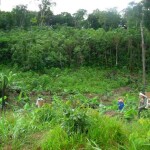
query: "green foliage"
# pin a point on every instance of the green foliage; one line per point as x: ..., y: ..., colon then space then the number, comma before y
x: 23, y: 98
x: 4, y: 129
x: 1, y: 100
x: 4, y: 83
x: 129, y: 114
x: 109, y: 19
x: 145, y: 114
x: 105, y: 130
x: 76, y: 120
x: 56, y: 135
x: 146, y: 4
x: 139, y: 138
x: 130, y: 110
x: 44, y: 114
x: 64, y: 141
x: 66, y: 47
x: 81, y: 127
x: 66, y: 81
x: 70, y: 120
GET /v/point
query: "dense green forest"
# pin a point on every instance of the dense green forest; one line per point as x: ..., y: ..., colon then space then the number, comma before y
x: 80, y: 64
x: 38, y: 40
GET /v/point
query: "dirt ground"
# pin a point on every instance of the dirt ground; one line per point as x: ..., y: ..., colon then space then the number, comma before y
x: 106, y: 99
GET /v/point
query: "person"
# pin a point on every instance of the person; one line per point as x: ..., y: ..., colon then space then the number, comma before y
x: 39, y: 102
x: 120, y: 104
x: 143, y: 103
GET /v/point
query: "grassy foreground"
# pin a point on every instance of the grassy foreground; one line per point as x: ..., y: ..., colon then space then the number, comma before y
x: 68, y: 120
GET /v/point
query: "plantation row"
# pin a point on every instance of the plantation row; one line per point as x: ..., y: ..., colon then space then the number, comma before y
x: 67, y: 47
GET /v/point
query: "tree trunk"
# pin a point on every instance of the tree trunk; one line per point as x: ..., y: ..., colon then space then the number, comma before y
x: 143, y: 53
x: 60, y: 61
x: 116, y: 54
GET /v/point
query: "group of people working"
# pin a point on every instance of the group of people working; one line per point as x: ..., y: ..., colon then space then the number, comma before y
x: 144, y: 103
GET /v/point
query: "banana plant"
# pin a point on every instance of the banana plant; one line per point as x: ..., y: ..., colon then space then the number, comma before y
x: 4, y: 83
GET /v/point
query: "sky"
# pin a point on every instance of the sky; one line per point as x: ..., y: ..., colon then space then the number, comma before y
x: 70, y: 6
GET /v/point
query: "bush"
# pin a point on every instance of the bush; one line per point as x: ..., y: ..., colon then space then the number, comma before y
x: 76, y: 121
x: 43, y: 114
x: 105, y: 131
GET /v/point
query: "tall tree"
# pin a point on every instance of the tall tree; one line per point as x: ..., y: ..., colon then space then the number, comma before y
x: 143, y: 51
x: 64, y: 18
x: 79, y: 17
x: 45, y: 12
x: 146, y: 10
x: 6, y: 20
x: 20, y: 14
x: 112, y: 19
x: 109, y: 19
x: 132, y: 15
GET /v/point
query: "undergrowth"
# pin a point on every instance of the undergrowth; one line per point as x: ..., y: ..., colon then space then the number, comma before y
x: 75, y: 116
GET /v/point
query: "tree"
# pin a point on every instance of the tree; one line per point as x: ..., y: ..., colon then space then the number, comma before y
x: 20, y: 15
x: 64, y: 18
x: 146, y: 17
x: 6, y: 20
x: 96, y: 19
x: 79, y: 18
x: 45, y: 12
x: 143, y: 52
x: 109, y: 19
x: 112, y: 19
x: 132, y: 15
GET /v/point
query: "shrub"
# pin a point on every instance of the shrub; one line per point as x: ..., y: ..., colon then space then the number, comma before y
x: 76, y: 121
x: 43, y: 114
x: 105, y: 131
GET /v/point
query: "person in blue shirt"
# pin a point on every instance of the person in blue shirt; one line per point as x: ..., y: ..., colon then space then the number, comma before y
x: 120, y: 104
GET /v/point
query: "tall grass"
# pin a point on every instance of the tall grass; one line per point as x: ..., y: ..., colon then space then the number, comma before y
x: 83, y: 80
x: 26, y: 130
x: 70, y: 123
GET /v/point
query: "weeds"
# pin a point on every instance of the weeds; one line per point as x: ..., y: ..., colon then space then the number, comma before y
x: 68, y: 120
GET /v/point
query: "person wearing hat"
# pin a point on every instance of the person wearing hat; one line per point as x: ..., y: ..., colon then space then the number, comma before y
x: 143, y: 103
x: 39, y: 102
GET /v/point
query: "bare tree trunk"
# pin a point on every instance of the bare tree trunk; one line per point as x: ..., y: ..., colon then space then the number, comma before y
x: 60, y: 61
x: 130, y: 54
x: 143, y: 53
x: 105, y: 59
x: 116, y: 54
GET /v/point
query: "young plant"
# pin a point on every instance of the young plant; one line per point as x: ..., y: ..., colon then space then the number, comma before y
x: 4, y: 83
x: 76, y: 120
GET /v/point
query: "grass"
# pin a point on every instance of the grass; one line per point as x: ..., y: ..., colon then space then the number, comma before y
x: 82, y: 80
x: 101, y: 132
x: 69, y: 121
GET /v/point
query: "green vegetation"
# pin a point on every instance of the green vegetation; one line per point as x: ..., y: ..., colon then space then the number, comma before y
x: 70, y: 128
x: 68, y: 118
x: 105, y: 39
x: 68, y: 47
x: 80, y: 66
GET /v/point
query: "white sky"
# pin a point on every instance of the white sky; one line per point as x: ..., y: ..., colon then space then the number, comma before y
x: 70, y: 6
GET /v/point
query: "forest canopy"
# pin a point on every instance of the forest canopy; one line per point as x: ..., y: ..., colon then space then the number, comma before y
x: 37, y: 40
